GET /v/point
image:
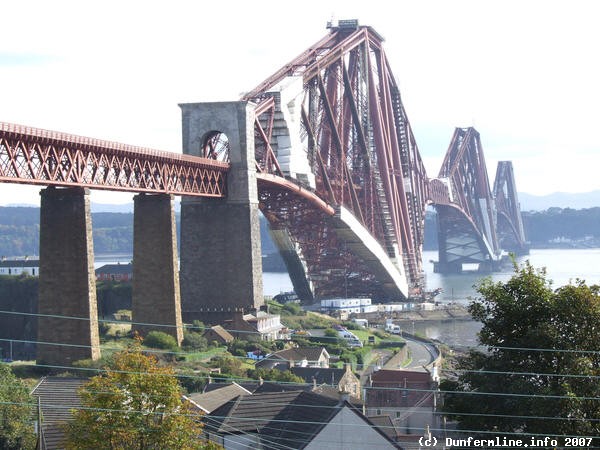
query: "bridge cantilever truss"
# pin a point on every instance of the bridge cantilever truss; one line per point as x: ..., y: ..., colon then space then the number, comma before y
x: 340, y: 177
x: 475, y: 224
x: 332, y: 120
x: 511, y: 234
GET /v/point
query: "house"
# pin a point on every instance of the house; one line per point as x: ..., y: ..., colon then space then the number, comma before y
x: 218, y: 395
x: 331, y: 381
x: 259, y: 326
x: 287, y: 297
x: 408, y: 397
x: 115, y: 272
x: 293, y: 419
x: 219, y: 334
x: 292, y: 357
x: 20, y: 266
x: 58, y: 396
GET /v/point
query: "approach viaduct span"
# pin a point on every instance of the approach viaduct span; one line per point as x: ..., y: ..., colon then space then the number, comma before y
x: 323, y: 148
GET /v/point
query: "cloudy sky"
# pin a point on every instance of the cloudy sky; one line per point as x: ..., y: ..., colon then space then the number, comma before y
x: 524, y: 73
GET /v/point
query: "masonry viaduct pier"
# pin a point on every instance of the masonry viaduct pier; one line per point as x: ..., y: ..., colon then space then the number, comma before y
x: 323, y: 148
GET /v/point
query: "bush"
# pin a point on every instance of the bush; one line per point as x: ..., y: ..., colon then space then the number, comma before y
x: 194, y: 341
x: 161, y: 340
x: 228, y: 365
x: 281, y: 376
x: 293, y: 309
x: 330, y: 332
x: 352, y: 325
x: 197, y: 326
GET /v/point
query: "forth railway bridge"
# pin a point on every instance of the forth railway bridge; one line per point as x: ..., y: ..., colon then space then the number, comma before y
x: 323, y: 148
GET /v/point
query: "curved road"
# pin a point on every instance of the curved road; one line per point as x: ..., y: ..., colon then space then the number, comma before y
x: 422, y: 353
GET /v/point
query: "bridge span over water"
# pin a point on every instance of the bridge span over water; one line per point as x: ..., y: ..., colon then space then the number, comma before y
x: 323, y: 148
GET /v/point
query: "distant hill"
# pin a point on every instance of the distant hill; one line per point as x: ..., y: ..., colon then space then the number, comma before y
x: 571, y: 226
x: 529, y: 202
x: 559, y: 200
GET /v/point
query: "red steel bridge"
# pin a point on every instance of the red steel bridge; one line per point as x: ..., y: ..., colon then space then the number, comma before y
x: 339, y: 174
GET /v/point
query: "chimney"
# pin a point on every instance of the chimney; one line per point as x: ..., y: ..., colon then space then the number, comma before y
x: 344, y: 396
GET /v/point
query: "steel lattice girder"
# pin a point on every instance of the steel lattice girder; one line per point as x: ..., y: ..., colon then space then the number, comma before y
x: 324, y: 258
x: 358, y: 144
x: 510, y: 223
x: 35, y: 156
x: 469, y: 188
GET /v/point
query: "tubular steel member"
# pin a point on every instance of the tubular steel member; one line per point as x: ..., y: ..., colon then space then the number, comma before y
x: 332, y: 121
x: 467, y: 218
x: 34, y: 156
x: 511, y: 234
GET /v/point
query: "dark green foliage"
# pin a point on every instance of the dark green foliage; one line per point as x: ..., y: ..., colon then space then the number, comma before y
x: 112, y: 297
x: 280, y: 376
x: 197, y: 327
x: 161, y: 340
x: 542, y: 362
x: 191, y: 381
x: 240, y: 347
x: 16, y: 407
x: 112, y: 234
x: 352, y: 325
x: 18, y: 294
x: 293, y: 309
x: 194, y: 341
x: 575, y: 224
x: 349, y: 356
x: 330, y: 332
x: 229, y: 365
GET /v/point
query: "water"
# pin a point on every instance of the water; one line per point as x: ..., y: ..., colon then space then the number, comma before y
x: 562, y: 265
x: 273, y: 282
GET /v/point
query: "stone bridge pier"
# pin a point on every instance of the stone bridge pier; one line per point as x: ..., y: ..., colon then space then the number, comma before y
x: 155, y: 298
x: 68, y: 321
x: 221, y: 266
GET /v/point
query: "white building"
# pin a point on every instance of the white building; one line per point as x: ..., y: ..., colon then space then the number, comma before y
x: 20, y: 266
x: 347, y: 305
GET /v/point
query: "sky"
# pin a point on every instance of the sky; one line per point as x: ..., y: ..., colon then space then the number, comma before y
x: 525, y: 74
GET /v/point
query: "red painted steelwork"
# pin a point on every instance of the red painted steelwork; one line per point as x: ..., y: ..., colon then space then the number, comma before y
x: 464, y: 167
x: 511, y: 233
x: 35, y: 156
x: 361, y: 152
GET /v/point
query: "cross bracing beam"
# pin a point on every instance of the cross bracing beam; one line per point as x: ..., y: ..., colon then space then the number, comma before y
x: 475, y: 225
x: 336, y: 125
x: 511, y: 233
x: 35, y: 156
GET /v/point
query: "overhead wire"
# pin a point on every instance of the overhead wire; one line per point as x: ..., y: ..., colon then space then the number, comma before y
x: 436, y: 391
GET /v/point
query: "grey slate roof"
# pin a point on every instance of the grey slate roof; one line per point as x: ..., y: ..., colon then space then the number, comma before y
x: 115, y: 268
x: 216, y: 397
x: 58, y: 396
x: 288, y: 419
x: 321, y: 375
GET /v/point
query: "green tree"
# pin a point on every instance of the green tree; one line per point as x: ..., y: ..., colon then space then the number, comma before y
x: 282, y: 376
x: 16, y: 427
x: 542, y: 361
x: 160, y: 339
x: 135, y: 404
